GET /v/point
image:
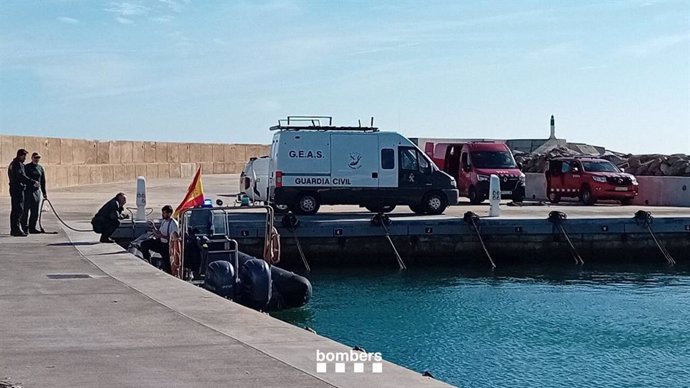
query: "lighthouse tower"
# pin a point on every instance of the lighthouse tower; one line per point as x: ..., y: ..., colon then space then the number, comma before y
x: 553, y: 128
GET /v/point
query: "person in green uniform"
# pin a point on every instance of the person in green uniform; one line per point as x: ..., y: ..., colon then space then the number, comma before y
x: 32, y: 194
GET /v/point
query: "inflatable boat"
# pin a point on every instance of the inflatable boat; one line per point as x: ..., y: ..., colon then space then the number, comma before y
x: 209, y: 257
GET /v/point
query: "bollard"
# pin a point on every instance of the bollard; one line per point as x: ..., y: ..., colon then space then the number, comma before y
x: 141, y: 199
x: 494, y: 196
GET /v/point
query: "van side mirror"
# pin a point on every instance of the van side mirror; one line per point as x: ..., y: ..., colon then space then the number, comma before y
x: 519, y: 166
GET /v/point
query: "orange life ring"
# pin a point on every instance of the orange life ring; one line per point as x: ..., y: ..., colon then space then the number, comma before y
x: 175, y: 249
x: 272, y: 247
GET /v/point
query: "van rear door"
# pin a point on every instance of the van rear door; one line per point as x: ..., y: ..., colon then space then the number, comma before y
x: 354, y: 160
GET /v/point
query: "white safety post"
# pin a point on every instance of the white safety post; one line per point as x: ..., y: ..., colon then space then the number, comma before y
x: 494, y: 196
x: 141, y: 199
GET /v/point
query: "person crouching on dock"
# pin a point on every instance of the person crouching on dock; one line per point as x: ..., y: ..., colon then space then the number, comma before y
x: 107, y: 220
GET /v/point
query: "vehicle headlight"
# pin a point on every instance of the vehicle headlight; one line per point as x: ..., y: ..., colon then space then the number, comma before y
x: 522, y: 178
x: 633, y: 179
x: 482, y: 178
x: 453, y: 184
x: 600, y: 179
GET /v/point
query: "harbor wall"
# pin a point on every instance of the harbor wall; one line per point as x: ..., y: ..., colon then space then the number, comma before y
x: 78, y: 162
x: 654, y: 190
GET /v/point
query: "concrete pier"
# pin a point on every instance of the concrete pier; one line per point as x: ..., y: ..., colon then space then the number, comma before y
x: 76, y: 313
x: 343, y: 235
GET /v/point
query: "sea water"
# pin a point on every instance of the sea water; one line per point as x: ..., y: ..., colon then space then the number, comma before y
x: 511, y: 328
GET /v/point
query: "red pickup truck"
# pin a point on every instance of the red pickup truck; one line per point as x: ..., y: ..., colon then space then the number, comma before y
x: 472, y: 163
x: 589, y: 180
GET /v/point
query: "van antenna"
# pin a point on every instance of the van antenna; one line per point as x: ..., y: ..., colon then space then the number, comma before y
x: 372, y: 121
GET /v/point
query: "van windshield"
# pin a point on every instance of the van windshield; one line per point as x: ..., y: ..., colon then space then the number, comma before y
x: 493, y: 159
x: 599, y: 166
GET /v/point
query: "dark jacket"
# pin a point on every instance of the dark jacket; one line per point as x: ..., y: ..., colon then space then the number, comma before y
x: 37, y: 173
x: 18, y: 179
x: 111, y: 211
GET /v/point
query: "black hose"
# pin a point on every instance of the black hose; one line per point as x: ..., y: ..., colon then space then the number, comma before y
x: 59, y: 219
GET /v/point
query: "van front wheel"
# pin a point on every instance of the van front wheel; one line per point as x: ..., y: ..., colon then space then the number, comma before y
x: 435, y: 203
x: 306, y: 204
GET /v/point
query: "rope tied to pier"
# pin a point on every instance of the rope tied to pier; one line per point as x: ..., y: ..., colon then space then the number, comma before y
x: 382, y: 220
x: 472, y: 219
x: 644, y: 218
x: 291, y: 223
x: 557, y: 218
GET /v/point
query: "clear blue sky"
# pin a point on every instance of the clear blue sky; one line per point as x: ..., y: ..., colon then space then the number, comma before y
x: 615, y: 73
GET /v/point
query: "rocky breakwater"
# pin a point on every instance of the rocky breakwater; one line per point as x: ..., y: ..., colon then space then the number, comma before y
x: 639, y: 165
x: 658, y: 165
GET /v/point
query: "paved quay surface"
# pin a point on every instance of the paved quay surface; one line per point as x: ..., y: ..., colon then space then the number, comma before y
x: 127, y: 324
x: 123, y: 323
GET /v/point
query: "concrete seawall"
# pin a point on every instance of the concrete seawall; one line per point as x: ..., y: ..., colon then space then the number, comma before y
x: 654, y: 190
x: 78, y: 162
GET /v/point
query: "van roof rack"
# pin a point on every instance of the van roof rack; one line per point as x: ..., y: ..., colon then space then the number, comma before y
x: 313, y: 123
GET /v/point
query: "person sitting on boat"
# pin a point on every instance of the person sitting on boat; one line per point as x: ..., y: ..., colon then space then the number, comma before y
x: 160, y: 243
x: 107, y: 220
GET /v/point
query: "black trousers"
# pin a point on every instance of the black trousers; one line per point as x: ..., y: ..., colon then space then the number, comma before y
x: 105, y: 227
x: 159, y: 247
x: 17, y: 210
x: 32, y: 202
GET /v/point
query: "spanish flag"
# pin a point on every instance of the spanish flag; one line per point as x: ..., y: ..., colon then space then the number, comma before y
x: 194, y: 197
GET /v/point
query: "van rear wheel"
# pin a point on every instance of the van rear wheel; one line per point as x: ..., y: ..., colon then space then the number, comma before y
x: 381, y: 208
x: 435, y: 203
x: 306, y: 204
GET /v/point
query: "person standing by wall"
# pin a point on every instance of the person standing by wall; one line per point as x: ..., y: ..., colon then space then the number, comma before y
x: 32, y: 195
x: 18, y: 184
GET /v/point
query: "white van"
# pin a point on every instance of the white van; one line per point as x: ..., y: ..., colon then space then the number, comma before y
x: 313, y: 164
x: 254, y: 179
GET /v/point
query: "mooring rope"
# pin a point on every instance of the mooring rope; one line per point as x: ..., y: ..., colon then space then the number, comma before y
x: 383, y: 221
x: 472, y: 220
x: 557, y: 219
x: 291, y: 223
x: 645, y: 218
